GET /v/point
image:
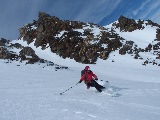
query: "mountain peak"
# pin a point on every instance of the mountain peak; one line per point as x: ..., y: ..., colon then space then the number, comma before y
x: 86, y: 42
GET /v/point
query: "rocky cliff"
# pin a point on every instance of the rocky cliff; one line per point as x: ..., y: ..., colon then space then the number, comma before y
x: 83, y: 42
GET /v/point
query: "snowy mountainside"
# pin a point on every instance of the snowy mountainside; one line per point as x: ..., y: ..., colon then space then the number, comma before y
x: 87, y: 42
x: 31, y: 83
x: 133, y: 43
x: 32, y: 91
x: 141, y: 42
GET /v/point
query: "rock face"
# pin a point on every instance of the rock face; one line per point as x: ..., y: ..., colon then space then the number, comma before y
x: 83, y: 42
x: 129, y: 25
x: 27, y: 53
x: 4, y: 52
x: 64, y: 39
x: 158, y: 34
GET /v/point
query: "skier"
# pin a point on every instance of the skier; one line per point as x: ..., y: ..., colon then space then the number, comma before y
x: 89, y: 79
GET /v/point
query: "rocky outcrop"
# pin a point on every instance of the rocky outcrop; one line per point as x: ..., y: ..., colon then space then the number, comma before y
x: 158, y: 34
x: 16, y: 45
x: 9, y: 55
x: 4, y: 52
x: 3, y: 42
x: 27, y: 53
x: 64, y: 39
x: 149, y: 22
x: 128, y: 25
x: 76, y: 40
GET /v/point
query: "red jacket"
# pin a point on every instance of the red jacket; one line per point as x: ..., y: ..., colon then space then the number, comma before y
x: 88, y: 76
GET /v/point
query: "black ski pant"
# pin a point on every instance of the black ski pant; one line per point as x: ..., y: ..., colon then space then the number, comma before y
x: 93, y: 83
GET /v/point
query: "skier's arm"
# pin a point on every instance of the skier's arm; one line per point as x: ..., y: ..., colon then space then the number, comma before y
x: 82, y: 78
x: 95, y: 76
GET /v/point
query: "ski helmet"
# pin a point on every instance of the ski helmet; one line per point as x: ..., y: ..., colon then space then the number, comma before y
x: 87, y: 68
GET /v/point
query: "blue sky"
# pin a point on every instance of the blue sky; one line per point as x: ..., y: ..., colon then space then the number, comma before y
x: 16, y: 13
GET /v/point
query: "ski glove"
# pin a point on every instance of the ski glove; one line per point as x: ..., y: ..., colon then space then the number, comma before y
x: 80, y: 81
x: 96, y: 78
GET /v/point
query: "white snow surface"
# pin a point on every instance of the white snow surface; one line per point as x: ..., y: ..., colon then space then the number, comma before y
x: 32, y: 92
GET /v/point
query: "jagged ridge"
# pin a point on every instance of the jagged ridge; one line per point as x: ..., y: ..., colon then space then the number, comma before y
x: 79, y: 41
x: 71, y: 39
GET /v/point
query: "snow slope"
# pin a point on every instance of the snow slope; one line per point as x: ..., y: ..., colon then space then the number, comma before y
x: 32, y: 92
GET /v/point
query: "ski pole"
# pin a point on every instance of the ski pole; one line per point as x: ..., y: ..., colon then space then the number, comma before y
x: 69, y: 89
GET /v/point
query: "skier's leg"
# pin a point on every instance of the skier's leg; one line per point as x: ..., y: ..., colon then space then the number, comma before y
x: 102, y: 87
x: 98, y: 88
x: 88, y: 85
x: 96, y: 85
